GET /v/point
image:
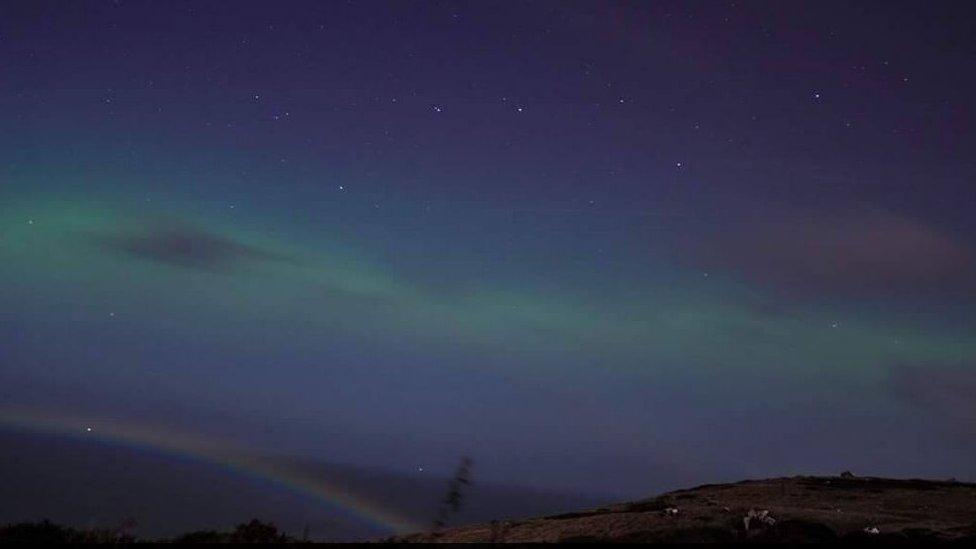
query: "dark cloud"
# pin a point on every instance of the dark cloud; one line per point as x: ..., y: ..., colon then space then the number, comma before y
x: 849, y: 255
x: 186, y: 247
x: 946, y: 391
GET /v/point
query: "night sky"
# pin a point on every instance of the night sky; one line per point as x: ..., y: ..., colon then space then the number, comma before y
x: 603, y: 248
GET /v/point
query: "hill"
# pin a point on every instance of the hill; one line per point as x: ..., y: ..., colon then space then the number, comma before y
x: 794, y: 509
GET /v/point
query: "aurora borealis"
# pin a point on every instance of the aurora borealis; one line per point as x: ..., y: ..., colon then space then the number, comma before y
x: 602, y: 248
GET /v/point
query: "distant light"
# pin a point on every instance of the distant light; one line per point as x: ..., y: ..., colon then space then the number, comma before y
x: 88, y: 429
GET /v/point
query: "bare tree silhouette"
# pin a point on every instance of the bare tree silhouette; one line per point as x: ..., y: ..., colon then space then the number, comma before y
x: 454, y: 498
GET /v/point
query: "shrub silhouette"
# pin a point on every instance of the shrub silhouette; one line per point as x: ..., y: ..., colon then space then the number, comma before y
x: 258, y: 532
x: 48, y: 532
x: 203, y: 536
x: 254, y: 531
x: 37, y: 532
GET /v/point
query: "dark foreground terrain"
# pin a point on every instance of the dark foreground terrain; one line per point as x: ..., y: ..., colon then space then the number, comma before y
x: 797, y: 509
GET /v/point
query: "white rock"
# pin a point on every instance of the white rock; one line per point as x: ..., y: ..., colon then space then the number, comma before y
x: 758, y: 517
